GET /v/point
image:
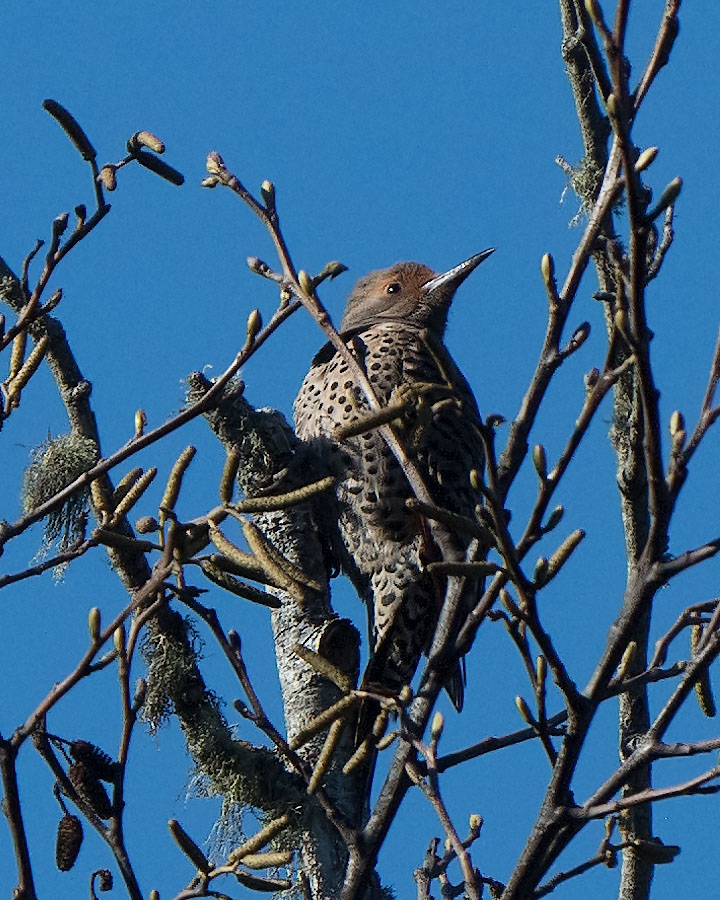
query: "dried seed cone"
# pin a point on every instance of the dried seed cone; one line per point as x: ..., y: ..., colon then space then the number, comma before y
x: 90, y: 790
x: 96, y: 760
x: 67, y: 844
x: 105, y: 880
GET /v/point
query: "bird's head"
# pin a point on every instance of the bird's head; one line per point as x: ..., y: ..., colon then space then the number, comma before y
x: 407, y: 292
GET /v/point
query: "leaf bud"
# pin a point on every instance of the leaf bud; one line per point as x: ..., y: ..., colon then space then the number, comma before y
x: 627, y: 659
x: 108, y: 177
x: 254, y: 324
x: 476, y: 823
x: 119, y: 639
x: 671, y: 193
x: 524, y: 710
x: 60, y: 224
x: 305, y: 282
x: 405, y: 696
x: 267, y: 191
x: 547, y: 268
x: 140, y: 422
x: 255, y: 264
x: 210, y: 182
x: 540, y: 573
x: 623, y: 324
x: 234, y: 640
x: 541, y: 669
x: 580, y: 335
x: 333, y: 269
x: 94, y: 623
x: 540, y: 461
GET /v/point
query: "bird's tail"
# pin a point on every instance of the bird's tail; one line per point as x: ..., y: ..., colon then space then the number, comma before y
x: 404, y: 617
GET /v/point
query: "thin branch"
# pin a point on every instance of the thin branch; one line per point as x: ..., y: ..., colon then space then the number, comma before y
x: 491, y: 744
x: 652, y: 795
x: 83, y: 668
x: 661, y: 51
x: 60, y: 559
x: 12, y: 808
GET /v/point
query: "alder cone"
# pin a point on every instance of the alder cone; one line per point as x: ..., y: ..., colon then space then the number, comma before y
x: 95, y: 759
x: 68, y: 841
x: 90, y: 790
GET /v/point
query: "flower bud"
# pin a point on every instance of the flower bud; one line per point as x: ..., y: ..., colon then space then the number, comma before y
x: 436, y: 728
x: 677, y: 422
x: 215, y: 164
x: 645, y: 159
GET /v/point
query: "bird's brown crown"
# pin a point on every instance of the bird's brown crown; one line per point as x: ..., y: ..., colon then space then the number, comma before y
x: 396, y: 294
x: 408, y: 293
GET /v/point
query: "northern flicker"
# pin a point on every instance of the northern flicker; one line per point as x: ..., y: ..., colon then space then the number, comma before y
x: 394, y: 322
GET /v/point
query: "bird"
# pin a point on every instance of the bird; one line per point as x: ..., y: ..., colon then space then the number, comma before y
x: 394, y: 323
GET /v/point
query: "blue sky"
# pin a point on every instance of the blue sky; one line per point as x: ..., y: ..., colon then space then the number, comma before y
x: 392, y: 131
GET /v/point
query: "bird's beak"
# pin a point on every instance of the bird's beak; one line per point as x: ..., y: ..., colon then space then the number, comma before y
x: 454, y: 277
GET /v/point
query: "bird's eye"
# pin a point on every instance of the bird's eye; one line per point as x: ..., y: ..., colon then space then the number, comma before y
x: 394, y: 287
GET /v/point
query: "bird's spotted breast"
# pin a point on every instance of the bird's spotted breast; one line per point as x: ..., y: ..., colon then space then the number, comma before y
x: 394, y: 324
